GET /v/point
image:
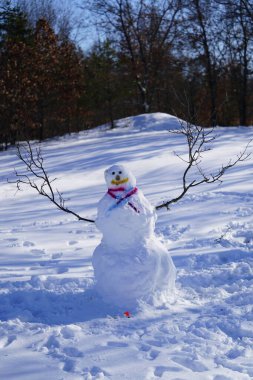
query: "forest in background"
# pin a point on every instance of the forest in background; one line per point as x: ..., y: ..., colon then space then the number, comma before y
x: 190, y: 58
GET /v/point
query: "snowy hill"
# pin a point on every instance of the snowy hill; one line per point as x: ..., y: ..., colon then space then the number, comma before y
x: 54, y: 326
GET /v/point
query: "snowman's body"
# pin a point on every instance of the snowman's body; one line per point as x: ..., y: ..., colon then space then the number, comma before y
x: 130, y: 264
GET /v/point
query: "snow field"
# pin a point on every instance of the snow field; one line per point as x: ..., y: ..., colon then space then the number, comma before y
x: 53, y: 325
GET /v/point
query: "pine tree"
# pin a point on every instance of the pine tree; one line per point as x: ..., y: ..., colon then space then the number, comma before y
x: 44, y: 72
x: 70, y: 85
x: 107, y: 84
x: 14, y: 26
x: 16, y: 97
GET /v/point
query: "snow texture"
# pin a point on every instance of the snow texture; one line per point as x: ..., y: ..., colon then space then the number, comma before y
x: 53, y: 325
x: 131, y: 265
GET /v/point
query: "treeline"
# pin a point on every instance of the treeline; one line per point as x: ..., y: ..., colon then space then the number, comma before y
x: 191, y: 58
x: 41, y: 80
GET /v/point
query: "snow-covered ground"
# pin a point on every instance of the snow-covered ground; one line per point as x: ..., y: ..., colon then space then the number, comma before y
x: 53, y: 326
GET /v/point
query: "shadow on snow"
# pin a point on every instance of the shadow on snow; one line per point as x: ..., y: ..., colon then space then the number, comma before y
x: 41, y: 306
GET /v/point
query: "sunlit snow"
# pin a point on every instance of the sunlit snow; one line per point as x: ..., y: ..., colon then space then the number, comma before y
x: 53, y: 325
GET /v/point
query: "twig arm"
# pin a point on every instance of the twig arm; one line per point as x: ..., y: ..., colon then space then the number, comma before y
x: 37, y: 177
x: 198, y: 140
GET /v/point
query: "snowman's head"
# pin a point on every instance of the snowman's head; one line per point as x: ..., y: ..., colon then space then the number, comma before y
x: 118, y: 176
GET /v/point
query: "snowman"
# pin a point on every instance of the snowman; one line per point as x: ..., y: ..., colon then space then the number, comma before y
x: 131, y: 265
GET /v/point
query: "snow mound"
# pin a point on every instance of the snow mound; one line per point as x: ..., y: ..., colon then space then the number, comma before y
x: 151, y: 122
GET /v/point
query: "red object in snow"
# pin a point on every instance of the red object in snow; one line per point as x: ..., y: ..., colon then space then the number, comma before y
x: 127, y: 314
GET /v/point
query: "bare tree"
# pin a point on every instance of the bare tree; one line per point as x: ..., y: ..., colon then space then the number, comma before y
x: 39, y: 9
x: 36, y: 177
x: 236, y: 27
x: 59, y: 14
x: 241, y: 48
x: 248, y: 6
x: 198, y: 141
x: 144, y: 31
x: 201, y: 32
x: 239, y: 5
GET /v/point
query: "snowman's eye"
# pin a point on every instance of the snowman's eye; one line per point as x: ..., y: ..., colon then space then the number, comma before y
x: 113, y: 173
x: 120, y: 172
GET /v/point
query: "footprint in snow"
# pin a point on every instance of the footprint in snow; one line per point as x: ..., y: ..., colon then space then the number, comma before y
x: 150, y: 353
x: 190, y: 363
x: 62, y: 270
x: 52, y: 343
x: 72, y: 242
x: 77, y: 232
x: 56, y: 256
x: 117, y: 344
x: 28, y: 244
x: 53, y: 348
x: 95, y: 373
x: 160, y: 370
x: 72, y: 352
x: 69, y: 365
x: 12, y: 242
x: 38, y: 251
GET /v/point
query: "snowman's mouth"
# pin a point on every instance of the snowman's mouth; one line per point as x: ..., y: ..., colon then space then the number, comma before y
x: 119, y: 182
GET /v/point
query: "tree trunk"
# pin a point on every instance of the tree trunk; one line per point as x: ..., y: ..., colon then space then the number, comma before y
x: 210, y: 72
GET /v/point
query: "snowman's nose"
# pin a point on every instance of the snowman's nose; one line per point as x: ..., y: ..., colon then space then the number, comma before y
x: 117, y: 177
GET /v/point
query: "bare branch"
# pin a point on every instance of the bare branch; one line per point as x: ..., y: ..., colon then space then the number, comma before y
x: 36, y: 177
x: 198, y: 140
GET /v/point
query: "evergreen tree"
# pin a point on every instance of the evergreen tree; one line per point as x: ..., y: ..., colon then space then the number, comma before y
x: 70, y: 85
x: 14, y: 25
x: 16, y: 98
x: 107, y: 83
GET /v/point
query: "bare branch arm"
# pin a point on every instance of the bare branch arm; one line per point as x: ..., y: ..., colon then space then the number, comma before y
x: 197, y: 140
x: 36, y: 177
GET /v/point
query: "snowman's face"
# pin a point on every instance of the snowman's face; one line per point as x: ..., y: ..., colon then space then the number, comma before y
x: 119, y: 176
